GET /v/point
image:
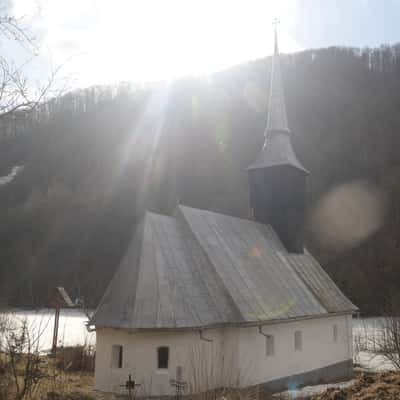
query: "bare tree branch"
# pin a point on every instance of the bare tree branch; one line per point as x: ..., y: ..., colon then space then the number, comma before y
x: 17, y: 92
x: 12, y: 28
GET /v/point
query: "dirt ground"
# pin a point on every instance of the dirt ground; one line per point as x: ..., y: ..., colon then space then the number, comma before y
x: 368, y: 386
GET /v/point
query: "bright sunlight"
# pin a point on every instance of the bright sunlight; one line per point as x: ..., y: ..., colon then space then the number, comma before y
x: 106, y: 42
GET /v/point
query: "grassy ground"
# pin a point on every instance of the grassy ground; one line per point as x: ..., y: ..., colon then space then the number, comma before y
x: 61, y: 384
x: 367, y: 386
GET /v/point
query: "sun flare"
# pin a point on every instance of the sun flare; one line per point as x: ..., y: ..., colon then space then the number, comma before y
x: 153, y: 40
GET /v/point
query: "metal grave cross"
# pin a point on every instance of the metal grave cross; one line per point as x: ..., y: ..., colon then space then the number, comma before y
x: 130, y: 385
x: 179, y: 384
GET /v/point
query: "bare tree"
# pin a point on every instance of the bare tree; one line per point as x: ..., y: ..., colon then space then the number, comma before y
x: 380, y: 337
x: 17, y: 92
x: 21, y: 367
x: 387, y: 341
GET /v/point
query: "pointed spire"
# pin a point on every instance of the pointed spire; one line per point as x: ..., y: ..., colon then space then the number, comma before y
x: 277, y: 117
x: 276, y: 50
x: 277, y: 149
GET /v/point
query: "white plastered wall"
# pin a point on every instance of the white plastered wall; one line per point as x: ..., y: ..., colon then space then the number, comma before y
x: 318, y: 349
x: 234, y: 357
x: 206, y: 364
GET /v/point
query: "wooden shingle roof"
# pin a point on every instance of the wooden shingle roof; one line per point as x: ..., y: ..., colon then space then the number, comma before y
x: 200, y: 269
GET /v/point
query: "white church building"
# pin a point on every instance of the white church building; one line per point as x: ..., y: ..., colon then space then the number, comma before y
x: 227, y: 302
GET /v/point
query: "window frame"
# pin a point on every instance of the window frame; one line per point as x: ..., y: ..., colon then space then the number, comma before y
x: 117, y: 356
x: 160, y: 349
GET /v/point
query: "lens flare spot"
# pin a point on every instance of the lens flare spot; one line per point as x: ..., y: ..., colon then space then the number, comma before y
x: 255, y: 97
x: 348, y: 215
x: 255, y: 252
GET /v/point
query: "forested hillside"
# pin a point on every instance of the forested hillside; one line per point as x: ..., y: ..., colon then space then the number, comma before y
x: 95, y: 159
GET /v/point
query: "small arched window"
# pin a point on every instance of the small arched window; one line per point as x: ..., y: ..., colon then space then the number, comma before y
x: 335, y: 333
x: 298, y: 341
x: 163, y: 357
x: 117, y: 356
x: 270, y: 346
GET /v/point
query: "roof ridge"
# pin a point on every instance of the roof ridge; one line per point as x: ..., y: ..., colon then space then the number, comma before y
x: 136, y: 241
x: 180, y: 206
x: 155, y: 214
x: 261, y: 226
x: 181, y: 217
x: 233, y: 262
x: 139, y: 260
x: 158, y: 229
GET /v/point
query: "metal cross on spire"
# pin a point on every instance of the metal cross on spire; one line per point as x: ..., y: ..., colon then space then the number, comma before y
x: 275, y: 22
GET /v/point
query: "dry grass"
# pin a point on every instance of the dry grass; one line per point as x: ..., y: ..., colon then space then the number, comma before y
x: 368, y: 386
x: 56, y: 383
x: 76, y: 358
x: 67, y: 386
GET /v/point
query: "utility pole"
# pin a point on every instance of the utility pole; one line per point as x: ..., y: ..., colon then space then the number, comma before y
x: 58, y: 300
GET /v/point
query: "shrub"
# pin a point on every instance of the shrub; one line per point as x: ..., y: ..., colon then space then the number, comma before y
x: 76, y: 358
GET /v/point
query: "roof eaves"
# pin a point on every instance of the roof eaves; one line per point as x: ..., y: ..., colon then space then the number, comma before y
x: 259, y: 165
x: 244, y: 324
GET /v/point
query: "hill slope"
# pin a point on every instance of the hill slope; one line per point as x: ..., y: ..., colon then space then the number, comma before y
x: 95, y: 159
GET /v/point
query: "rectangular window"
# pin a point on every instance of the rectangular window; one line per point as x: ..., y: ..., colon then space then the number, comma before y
x: 117, y: 356
x: 163, y: 357
x: 269, y: 343
x: 298, y: 341
x: 335, y: 333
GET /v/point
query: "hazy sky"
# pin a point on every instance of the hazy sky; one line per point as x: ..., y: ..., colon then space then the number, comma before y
x: 108, y: 41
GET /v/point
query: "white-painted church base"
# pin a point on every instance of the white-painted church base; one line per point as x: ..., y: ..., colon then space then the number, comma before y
x: 236, y: 357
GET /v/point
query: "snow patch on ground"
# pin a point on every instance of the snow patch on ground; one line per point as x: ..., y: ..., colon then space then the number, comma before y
x: 374, y: 362
x: 308, y: 391
x: 367, y: 334
x: 8, y: 178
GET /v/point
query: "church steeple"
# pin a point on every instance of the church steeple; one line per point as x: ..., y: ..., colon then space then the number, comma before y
x: 277, y: 148
x: 277, y: 178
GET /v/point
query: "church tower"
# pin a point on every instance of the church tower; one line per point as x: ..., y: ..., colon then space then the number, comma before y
x: 276, y: 177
